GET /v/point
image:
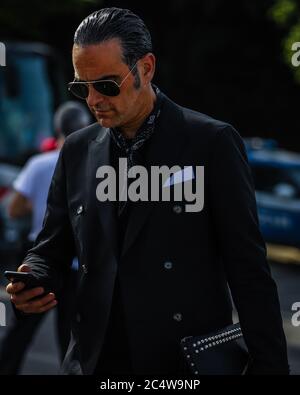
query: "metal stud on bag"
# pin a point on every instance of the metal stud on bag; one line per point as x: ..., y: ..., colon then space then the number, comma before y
x: 204, y: 344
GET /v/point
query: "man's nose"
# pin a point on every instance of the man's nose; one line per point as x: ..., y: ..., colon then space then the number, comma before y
x: 94, y: 97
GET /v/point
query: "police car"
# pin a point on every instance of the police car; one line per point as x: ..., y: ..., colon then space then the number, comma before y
x: 276, y: 175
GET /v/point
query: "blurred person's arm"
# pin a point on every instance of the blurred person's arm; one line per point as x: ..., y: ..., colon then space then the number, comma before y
x: 24, y: 186
x: 19, y: 206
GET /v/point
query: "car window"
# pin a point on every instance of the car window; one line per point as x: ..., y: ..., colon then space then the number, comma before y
x: 26, y: 99
x: 283, y: 182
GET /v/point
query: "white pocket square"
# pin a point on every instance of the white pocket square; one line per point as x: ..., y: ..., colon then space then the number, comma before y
x: 180, y: 176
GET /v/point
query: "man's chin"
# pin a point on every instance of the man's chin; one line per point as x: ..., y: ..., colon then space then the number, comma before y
x: 106, y: 122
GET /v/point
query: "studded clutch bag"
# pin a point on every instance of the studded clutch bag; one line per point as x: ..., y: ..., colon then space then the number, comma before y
x: 222, y: 352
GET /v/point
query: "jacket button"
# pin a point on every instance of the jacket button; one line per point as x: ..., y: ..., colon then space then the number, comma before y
x: 177, y: 317
x: 168, y: 265
x: 177, y: 209
x: 85, y: 269
x: 79, y: 210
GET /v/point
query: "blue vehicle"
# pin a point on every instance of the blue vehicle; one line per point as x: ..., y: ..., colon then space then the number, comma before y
x: 32, y: 85
x: 276, y: 175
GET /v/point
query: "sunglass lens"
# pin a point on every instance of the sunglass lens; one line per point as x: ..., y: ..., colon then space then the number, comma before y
x: 107, y: 88
x: 79, y: 90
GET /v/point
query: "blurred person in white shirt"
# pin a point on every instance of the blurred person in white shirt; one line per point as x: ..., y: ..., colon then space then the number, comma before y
x: 31, y: 191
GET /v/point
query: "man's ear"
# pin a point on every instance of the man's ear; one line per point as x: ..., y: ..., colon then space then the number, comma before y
x: 148, y: 67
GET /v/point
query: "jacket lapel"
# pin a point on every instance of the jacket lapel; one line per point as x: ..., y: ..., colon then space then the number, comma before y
x: 99, y: 155
x: 165, y: 147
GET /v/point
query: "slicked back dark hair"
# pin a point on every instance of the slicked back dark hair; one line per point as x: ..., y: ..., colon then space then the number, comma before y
x: 123, y: 24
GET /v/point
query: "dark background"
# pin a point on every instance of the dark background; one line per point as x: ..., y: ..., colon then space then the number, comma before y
x: 225, y: 58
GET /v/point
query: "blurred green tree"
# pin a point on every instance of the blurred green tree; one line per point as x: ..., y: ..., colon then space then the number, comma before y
x: 286, y: 14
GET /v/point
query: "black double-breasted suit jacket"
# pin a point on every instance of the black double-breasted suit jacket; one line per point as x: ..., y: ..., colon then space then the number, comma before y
x: 174, y: 266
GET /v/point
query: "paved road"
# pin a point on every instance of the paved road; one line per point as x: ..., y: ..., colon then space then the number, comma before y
x: 42, y: 357
x: 287, y: 278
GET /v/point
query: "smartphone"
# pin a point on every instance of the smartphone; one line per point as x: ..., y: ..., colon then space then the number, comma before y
x: 27, y: 278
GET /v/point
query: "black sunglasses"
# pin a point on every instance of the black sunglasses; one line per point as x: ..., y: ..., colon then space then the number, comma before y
x: 80, y: 89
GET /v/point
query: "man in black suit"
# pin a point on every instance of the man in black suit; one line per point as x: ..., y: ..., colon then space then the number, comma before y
x: 153, y: 271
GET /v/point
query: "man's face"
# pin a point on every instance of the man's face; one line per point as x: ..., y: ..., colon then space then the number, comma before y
x: 104, y: 61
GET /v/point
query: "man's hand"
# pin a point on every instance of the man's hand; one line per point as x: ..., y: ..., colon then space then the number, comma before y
x: 23, y: 299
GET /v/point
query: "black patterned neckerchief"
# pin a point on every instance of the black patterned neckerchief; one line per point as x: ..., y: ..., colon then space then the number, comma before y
x: 129, y: 147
